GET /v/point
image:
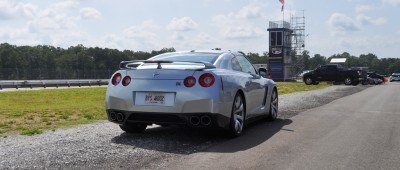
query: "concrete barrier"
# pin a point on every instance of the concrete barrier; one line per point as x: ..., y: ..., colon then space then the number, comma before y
x: 51, y: 83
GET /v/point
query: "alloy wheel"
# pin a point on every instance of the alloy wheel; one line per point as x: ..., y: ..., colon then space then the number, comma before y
x: 273, y: 111
x: 238, y: 114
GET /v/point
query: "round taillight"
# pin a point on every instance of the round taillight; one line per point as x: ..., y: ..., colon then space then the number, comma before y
x: 126, y: 80
x: 206, y: 80
x: 189, y: 81
x: 116, y: 79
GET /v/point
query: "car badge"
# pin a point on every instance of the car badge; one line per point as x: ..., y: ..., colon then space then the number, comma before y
x: 156, y: 74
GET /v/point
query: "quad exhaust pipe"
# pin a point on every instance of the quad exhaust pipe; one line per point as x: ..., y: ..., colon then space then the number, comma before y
x: 118, y: 117
x: 205, y: 120
x: 195, y: 120
x: 113, y: 116
x: 200, y: 120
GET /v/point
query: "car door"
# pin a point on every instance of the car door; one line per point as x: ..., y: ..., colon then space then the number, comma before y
x: 331, y: 73
x: 254, y: 87
x: 320, y: 73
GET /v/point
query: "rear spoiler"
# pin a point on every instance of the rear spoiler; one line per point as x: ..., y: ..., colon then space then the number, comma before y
x: 135, y: 63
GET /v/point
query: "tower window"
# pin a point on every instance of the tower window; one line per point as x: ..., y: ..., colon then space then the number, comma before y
x: 276, y: 38
x: 279, y: 38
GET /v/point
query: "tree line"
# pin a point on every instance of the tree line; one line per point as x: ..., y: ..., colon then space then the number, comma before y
x: 75, y: 62
x: 79, y: 62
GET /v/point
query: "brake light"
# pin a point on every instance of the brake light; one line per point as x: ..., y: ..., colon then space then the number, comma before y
x: 126, y: 80
x: 189, y: 81
x: 206, y: 80
x: 116, y: 79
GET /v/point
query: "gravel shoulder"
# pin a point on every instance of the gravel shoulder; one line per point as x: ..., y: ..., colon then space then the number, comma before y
x: 103, y: 145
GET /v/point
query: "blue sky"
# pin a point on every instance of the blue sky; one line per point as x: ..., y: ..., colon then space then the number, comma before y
x: 334, y: 26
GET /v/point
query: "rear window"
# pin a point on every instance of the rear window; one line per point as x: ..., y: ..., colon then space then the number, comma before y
x: 196, y: 57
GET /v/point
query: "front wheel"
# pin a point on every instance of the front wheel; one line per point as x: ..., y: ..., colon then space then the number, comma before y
x: 308, y: 81
x: 133, y: 128
x: 238, y: 116
x: 273, y: 107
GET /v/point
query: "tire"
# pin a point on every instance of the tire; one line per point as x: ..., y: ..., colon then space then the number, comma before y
x: 273, y: 107
x: 308, y: 81
x: 371, y: 82
x: 133, y: 128
x: 348, y: 81
x: 238, y: 116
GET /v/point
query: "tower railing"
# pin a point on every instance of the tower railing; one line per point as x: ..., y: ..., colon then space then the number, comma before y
x: 279, y: 24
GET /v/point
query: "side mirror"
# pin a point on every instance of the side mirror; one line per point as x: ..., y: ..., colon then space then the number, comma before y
x: 262, y: 72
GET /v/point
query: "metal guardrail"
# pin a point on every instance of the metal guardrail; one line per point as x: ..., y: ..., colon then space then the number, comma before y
x: 51, y: 83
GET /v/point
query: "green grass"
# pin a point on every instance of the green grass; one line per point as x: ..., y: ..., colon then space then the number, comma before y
x: 291, y: 87
x: 32, y: 112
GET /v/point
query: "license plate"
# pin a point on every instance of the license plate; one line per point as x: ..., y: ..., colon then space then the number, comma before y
x: 154, y: 99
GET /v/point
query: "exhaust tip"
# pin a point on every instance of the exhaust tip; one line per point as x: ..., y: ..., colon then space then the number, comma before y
x: 195, y: 120
x: 120, y: 117
x: 113, y: 116
x: 205, y: 120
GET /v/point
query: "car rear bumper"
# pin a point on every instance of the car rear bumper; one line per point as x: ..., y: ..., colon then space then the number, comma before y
x: 190, y: 119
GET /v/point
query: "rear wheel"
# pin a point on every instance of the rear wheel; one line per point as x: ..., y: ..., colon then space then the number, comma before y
x: 237, y: 116
x: 308, y: 81
x: 273, y: 108
x: 348, y: 81
x: 133, y: 128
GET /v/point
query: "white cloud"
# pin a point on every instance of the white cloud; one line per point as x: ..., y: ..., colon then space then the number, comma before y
x: 12, y: 33
x: 182, y: 24
x: 53, y: 19
x: 239, y: 25
x: 177, y: 36
x: 365, y: 8
x: 250, y: 11
x: 204, y: 38
x: 342, y: 24
x: 90, y: 13
x: 392, y: 2
x: 242, y: 32
x: 142, y: 36
x: 366, y: 20
x: 9, y: 10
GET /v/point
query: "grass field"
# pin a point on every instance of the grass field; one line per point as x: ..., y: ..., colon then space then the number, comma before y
x: 289, y: 87
x: 32, y: 112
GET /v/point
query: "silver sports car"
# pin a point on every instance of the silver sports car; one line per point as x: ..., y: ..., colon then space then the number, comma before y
x: 195, y: 88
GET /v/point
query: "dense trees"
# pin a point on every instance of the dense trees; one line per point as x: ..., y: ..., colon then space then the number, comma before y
x: 76, y: 62
x: 79, y: 62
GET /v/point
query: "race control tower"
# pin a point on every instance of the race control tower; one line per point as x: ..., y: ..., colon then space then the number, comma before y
x: 280, y: 49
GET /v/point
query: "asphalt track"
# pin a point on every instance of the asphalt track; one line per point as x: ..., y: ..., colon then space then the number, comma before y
x: 360, y: 131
